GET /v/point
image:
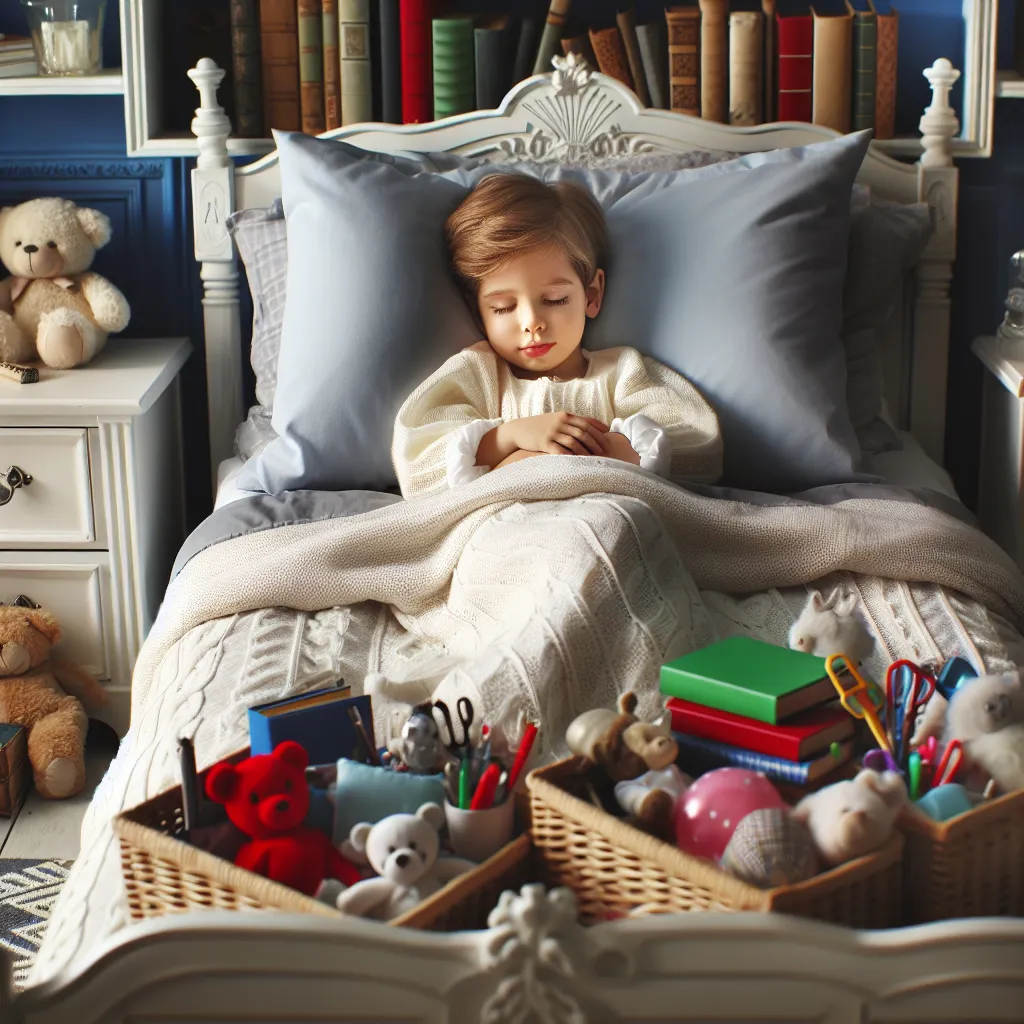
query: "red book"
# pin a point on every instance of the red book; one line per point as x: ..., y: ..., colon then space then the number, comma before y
x: 796, y: 49
x: 801, y: 737
x: 414, y: 17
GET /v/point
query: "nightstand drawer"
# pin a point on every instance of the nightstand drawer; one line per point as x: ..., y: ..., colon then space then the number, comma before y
x: 75, y: 586
x: 56, y: 507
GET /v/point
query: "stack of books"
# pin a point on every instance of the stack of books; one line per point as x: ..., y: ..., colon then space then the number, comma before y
x: 17, y: 58
x: 744, y: 703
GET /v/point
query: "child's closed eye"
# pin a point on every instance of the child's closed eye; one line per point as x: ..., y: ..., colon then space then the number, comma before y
x: 547, y: 302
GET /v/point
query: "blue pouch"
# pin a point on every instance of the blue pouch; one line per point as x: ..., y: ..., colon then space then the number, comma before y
x: 367, y: 792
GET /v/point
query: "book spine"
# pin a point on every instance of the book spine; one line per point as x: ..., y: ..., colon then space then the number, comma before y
x: 737, y: 733
x: 626, y: 21
x: 530, y: 29
x: 708, y: 754
x: 832, y: 82
x: 551, y: 36
x: 886, y: 39
x: 356, y: 79
x: 311, y: 65
x: 260, y: 740
x: 654, y: 54
x: 580, y: 45
x: 279, y: 65
x: 332, y: 66
x: 488, y: 61
x: 611, y: 54
x: 746, y: 46
x: 864, y: 52
x: 452, y: 57
x: 714, y: 60
x: 796, y: 40
x: 390, y: 62
x: 245, y: 69
x: 770, y: 58
x: 417, y: 87
x: 683, y: 27
x: 714, y: 694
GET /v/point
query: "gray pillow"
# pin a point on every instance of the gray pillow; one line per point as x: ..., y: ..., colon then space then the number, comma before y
x: 372, y: 310
x: 760, y: 263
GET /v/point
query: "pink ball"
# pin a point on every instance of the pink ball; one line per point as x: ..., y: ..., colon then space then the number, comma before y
x: 708, y: 812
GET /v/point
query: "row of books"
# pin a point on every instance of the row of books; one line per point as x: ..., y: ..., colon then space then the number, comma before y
x: 747, y: 704
x: 17, y: 58
x: 315, y: 65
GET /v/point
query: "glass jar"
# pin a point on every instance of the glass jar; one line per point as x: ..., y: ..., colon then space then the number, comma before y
x: 66, y: 35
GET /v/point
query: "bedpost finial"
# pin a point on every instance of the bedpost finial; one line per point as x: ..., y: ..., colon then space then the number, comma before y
x: 939, y: 124
x: 211, y: 126
x: 207, y: 78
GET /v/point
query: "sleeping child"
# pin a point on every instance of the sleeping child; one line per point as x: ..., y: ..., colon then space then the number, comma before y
x: 528, y: 255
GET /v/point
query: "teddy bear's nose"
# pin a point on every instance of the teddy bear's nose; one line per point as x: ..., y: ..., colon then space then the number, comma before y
x: 31, y: 248
x: 282, y: 805
x: 402, y: 860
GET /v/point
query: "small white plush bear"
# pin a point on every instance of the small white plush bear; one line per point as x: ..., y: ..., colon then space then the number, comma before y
x: 53, y: 307
x: 403, y: 849
x: 854, y: 817
x: 987, y: 716
x: 831, y: 626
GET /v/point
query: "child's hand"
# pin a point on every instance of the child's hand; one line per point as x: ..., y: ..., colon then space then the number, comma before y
x: 560, y: 433
x: 620, y: 448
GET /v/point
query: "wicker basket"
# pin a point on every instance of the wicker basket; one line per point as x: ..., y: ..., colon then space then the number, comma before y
x: 969, y: 866
x: 165, y: 875
x: 613, y: 868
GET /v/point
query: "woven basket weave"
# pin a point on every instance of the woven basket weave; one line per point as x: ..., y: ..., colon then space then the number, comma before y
x: 969, y: 866
x: 613, y: 868
x: 165, y: 875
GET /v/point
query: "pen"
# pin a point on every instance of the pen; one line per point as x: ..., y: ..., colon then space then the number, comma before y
x: 189, y: 784
x: 451, y: 782
x: 464, y: 785
x: 521, y: 755
x: 483, y: 798
x: 357, y: 723
x: 914, y: 771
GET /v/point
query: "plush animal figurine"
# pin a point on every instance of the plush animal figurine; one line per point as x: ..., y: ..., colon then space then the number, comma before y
x: 638, y: 756
x: 266, y: 796
x: 46, y: 697
x: 854, y: 817
x: 403, y: 849
x: 986, y: 715
x: 419, y: 746
x: 831, y: 626
x: 53, y: 307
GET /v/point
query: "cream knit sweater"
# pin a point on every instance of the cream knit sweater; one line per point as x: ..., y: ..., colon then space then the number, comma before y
x: 442, y: 421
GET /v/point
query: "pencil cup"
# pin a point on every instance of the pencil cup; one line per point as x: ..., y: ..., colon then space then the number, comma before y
x: 477, y: 835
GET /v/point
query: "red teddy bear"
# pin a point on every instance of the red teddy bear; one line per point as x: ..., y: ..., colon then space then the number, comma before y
x: 267, y: 797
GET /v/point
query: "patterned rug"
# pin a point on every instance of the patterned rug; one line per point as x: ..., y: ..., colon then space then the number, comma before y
x: 28, y: 892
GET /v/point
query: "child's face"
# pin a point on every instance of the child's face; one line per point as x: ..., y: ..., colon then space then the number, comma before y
x: 534, y: 310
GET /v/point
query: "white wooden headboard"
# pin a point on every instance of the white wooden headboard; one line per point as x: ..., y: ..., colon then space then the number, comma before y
x: 577, y: 116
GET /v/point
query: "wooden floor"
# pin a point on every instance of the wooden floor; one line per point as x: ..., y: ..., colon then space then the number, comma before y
x: 51, y: 829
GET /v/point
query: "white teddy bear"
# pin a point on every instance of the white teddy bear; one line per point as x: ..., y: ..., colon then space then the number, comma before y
x: 854, y: 817
x: 52, y: 307
x: 403, y: 849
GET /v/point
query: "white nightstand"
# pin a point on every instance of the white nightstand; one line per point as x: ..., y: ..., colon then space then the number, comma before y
x: 93, y: 535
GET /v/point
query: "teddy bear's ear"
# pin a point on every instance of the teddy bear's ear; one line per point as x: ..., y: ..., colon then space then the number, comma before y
x: 802, y: 811
x: 433, y: 815
x: 358, y: 836
x: 627, y: 702
x: 888, y: 785
x: 45, y: 623
x: 96, y: 226
x: 222, y: 782
x: 292, y: 753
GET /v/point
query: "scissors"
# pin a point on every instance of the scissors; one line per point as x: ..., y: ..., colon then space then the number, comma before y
x: 953, y: 673
x: 464, y: 710
x: 908, y: 687
x: 862, y: 700
x: 949, y: 765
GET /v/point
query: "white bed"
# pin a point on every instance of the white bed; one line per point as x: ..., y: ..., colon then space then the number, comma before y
x: 204, y: 662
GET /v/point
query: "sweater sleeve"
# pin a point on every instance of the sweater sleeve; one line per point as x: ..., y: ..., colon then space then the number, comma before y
x: 440, y: 425
x: 669, y: 423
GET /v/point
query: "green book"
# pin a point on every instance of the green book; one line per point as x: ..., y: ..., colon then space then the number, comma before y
x: 864, y: 45
x: 750, y: 678
x: 454, y: 66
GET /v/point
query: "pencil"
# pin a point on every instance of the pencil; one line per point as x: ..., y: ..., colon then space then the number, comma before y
x: 357, y: 722
x: 189, y: 784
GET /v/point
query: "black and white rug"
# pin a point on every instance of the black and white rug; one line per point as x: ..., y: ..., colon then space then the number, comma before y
x: 28, y: 892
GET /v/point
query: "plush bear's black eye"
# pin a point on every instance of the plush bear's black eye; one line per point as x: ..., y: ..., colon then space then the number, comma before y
x: 52, y: 245
x: 287, y: 785
x: 412, y: 846
x: 391, y: 849
x: 254, y: 798
x: 17, y: 245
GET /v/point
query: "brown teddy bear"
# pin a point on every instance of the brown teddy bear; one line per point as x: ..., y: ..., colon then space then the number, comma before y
x: 32, y: 695
x: 54, y: 307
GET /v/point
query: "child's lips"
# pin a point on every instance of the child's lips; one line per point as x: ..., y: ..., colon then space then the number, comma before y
x: 536, y: 351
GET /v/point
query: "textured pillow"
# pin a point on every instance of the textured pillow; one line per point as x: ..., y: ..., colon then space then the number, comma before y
x: 372, y: 309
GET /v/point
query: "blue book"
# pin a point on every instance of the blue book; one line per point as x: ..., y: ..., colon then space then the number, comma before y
x: 698, y: 755
x: 319, y: 721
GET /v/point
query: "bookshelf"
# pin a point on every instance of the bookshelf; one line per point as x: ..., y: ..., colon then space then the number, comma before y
x: 150, y: 84
x: 109, y: 82
x: 1009, y: 85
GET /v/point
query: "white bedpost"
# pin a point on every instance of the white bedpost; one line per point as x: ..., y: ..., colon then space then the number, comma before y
x: 213, y: 198
x: 937, y: 186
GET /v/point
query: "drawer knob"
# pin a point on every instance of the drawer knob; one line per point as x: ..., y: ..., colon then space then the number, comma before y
x: 10, y: 481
